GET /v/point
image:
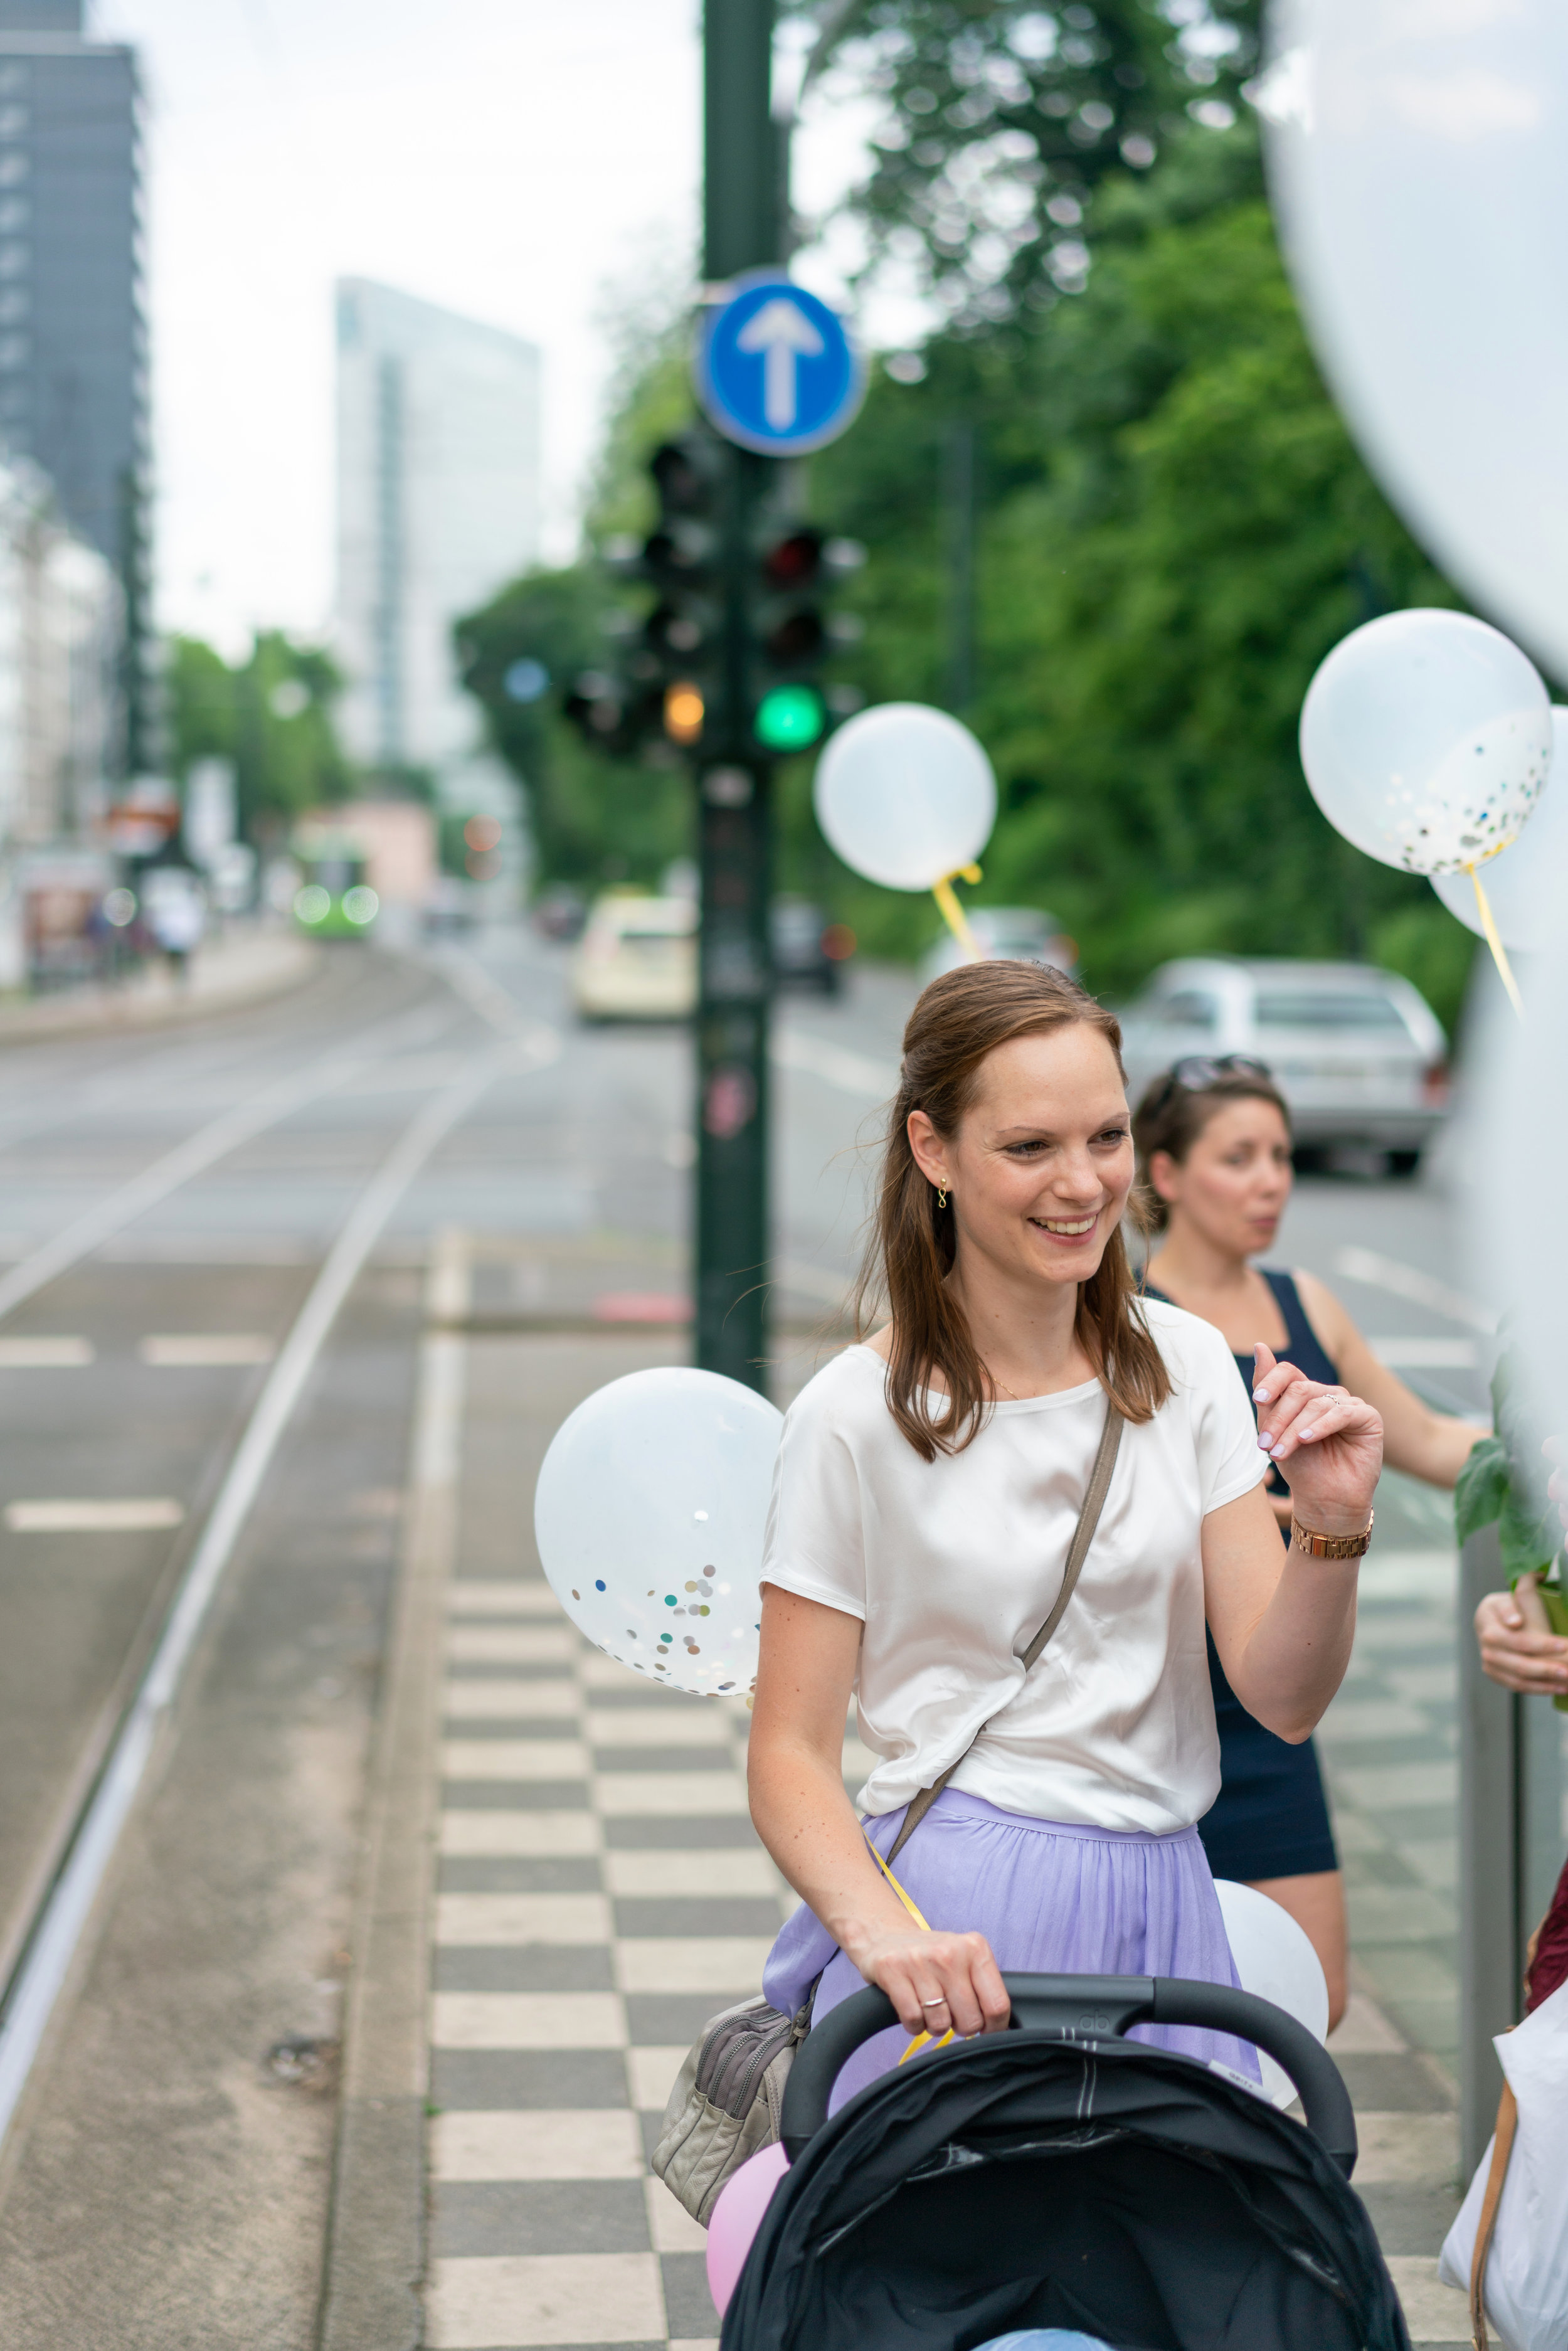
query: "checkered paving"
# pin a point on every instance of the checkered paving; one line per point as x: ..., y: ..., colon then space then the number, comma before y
x: 602, y: 1894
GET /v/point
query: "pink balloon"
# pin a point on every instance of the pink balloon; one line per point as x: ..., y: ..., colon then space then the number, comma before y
x: 737, y: 2216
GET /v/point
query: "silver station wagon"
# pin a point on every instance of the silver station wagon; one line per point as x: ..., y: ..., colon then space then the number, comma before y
x: 1358, y: 1053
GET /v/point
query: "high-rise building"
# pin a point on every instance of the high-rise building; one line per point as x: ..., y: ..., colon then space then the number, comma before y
x: 438, y: 427
x: 73, y: 336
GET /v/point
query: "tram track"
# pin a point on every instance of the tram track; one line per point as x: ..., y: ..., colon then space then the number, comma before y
x: 54, y: 1899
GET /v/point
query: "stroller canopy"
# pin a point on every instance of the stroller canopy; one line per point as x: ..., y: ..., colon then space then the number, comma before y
x: 1029, y: 2179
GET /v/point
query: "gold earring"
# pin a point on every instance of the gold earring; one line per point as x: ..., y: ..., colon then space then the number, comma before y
x: 941, y: 1196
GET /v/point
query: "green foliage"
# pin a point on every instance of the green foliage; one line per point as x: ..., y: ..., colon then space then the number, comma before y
x: 272, y: 715
x: 1502, y: 1482
x: 593, y: 819
x: 1175, y: 530
x: 1173, y: 526
x: 1432, y: 951
x: 1001, y: 123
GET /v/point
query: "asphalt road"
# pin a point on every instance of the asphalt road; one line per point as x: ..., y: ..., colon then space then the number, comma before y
x: 210, y: 1983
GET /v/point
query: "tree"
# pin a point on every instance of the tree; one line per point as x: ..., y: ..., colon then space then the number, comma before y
x: 272, y: 715
x: 1175, y: 529
x: 593, y: 819
x: 1001, y: 121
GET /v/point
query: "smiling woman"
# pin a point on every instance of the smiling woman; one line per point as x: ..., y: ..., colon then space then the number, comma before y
x: 1028, y: 1462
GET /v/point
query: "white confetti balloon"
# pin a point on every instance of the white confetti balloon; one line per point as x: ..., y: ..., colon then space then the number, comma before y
x: 1426, y: 737
x: 905, y: 795
x: 1526, y: 883
x: 1275, y: 1958
x: 650, y: 1512
x: 1418, y: 164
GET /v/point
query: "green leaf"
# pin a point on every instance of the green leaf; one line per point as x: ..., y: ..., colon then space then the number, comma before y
x: 1482, y: 1488
x: 1529, y: 1541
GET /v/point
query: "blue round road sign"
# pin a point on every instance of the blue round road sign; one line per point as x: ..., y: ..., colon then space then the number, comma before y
x: 775, y: 370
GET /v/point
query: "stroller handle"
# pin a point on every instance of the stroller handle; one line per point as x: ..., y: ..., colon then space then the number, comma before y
x: 1088, y: 2008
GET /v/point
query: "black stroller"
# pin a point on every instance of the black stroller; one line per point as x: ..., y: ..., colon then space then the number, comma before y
x: 1059, y: 2176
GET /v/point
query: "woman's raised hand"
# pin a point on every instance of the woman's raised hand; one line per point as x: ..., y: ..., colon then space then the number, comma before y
x: 1332, y: 1440
x: 938, y: 1983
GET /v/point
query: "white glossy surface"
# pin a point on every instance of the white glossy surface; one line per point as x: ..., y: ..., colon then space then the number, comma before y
x: 905, y: 795
x: 1418, y: 162
x: 1526, y: 883
x: 656, y: 1487
x: 1426, y: 737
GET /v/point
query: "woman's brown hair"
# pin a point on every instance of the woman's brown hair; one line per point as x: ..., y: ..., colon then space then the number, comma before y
x: 1172, y: 1116
x: 959, y: 1021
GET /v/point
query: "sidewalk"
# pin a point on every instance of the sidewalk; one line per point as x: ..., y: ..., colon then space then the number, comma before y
x: 593, y: 1893
x: 239, y: 966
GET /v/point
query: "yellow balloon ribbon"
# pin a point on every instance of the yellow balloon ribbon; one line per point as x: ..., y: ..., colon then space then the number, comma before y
x: 921, y: 2039
x: 953, y: 915
x: 1499, y: 952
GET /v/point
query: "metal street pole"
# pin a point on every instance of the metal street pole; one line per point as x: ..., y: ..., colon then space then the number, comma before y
x: 741, y: 227
x: 1510, y: 1849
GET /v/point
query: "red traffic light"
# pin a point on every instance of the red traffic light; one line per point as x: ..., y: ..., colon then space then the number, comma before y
x: 795, y: 561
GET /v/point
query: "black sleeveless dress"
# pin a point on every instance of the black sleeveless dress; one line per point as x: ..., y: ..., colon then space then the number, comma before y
x: 1271, y: 1818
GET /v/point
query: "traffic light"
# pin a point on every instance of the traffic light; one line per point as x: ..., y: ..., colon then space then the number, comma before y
x: 613, y: 714
x: 664, y: 685
x: 681, y: 560
x: 669, y: 689
x: 798, y: 568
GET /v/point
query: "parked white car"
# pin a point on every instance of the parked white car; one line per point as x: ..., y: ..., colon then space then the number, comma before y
x: 1358, y: 1053
x: 636, y: 960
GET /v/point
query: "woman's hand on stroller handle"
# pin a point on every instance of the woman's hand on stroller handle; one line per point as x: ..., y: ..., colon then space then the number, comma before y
x: 938, y: 1983
x: 1332, y: 1440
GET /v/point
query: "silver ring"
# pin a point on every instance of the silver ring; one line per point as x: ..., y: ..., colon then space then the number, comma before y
x: 940, y: 2002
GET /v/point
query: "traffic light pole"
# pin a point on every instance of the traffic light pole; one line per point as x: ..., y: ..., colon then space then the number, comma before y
x: 741, y: 230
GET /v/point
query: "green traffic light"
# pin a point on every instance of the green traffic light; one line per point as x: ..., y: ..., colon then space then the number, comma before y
x: 789, y: 718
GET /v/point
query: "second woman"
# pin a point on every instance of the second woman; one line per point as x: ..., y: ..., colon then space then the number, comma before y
x: 1214, y: 1141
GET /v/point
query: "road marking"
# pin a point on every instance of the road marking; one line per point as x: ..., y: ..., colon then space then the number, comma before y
x: 36, y: 1985
x: 193, y: 1157
x: 45, y: 1355
x: 852, y: 1074
x: 1379, y: 1272
x: 467, y: 977
x: 205, y: 1350
x: 135, y: 1516
x: 1406, y: 1354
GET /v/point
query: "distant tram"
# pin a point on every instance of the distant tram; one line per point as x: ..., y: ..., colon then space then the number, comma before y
x: 333, y: 900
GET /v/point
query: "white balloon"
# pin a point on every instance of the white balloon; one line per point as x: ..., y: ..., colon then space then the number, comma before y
x: 1419, y: 162
x: 1514, y: 1114
x: 905, y: 795
x: 1426, y: 737
x: 1274, y: 1959
x: 649, y: 1514
x: 1526, y: 883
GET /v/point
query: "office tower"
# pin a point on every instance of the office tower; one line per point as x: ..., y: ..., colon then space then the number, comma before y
x: 73, y: 338
x: 437, y: 508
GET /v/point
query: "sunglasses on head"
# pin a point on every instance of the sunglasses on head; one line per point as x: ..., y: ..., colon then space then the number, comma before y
x: 1194, y: 1072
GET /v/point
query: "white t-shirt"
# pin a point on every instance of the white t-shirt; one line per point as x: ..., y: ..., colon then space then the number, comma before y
x: 952, y: 1566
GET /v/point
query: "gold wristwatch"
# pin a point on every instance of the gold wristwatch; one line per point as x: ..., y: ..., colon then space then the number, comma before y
x: 1318, y: 1546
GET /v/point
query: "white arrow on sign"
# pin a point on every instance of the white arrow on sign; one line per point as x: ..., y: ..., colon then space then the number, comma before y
x: 781, y: 332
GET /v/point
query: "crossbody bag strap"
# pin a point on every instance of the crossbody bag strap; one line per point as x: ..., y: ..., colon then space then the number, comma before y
x: 1485, y: 2227
x: 1078, y: 1552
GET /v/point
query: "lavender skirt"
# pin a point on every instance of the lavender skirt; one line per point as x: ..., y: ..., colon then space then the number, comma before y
x: 1050, y: 1897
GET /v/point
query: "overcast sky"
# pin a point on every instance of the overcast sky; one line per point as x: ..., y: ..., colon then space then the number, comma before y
x: 512, y: 159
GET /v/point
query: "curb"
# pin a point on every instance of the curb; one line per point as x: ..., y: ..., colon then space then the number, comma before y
x: 375, y: 2231
x: 113, y: 1012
